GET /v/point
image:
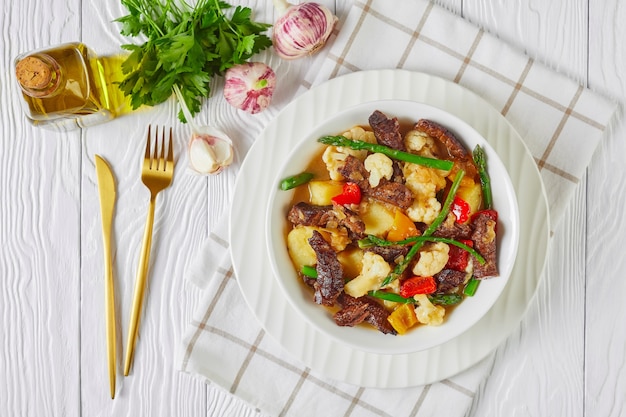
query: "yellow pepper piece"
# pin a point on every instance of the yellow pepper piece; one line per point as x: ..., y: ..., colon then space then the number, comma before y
x: 403, y: 318
x: 402, y: 228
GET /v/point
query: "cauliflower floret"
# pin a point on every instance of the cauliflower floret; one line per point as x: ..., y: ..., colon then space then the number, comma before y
x: 334, y: 156
x: 432, y: 260
x: 420, y: 143
x: 427, y: 312
x: 375, y: 270
x: 426, y: 208
x: 379, y: 166
x: 358, y: 133
x: 424, y: 183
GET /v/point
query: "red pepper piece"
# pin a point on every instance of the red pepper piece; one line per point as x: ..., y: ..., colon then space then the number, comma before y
x: 417, y: 285
x: 461, y: 209
x: 350, y: 194
x: 458, y: 258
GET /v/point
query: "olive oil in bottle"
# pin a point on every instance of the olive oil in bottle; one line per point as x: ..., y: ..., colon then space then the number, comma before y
x: 63, y: 87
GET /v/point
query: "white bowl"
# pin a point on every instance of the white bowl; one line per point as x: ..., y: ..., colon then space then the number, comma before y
x: 422, y: 337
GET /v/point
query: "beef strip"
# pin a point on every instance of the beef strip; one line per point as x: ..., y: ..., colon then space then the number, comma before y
x: 456, y: 150
x: 390, y: 192
x: 351, y: 221
x: 309, y: 215
x: 363, y: 309
x: 449, y: 279
x: 353, y: 170
x: 352, y: 314
x: 389, y: 253
x: 329, y: 283
x: 398, y: 175
x: 393, y: 193
x: 386, y: 130
x: 378, y: 317
x: 435, y: 130
x: 306, y: 214
x: 451, y: 229
x: 484, y: 237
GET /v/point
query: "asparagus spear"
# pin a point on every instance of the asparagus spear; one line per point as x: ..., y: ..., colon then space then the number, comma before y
x: 471, y: 286
x: 372, y: 240
x: 445, y: 299
x: 390, y: 152
x: 390, y: 296
x: 399, y: 269
x: 309, y: 271
x: 485, y: 182
x: 295, y: 181
x: 441, y: 299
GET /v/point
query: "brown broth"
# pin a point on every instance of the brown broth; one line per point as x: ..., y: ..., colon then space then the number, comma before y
x: 317, y: 166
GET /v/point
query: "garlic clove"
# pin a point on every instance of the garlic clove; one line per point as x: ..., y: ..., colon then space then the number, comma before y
x: 209, y: 154
x: 249, y: 86
x: 302, y: 30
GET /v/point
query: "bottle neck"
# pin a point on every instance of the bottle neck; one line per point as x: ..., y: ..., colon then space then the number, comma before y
x: 39, y: 75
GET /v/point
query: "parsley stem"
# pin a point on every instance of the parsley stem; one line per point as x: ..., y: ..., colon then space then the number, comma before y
x: 186, y: 44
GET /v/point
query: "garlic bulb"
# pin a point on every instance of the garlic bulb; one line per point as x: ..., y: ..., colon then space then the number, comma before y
x: 302, y: 29
x: 209, y: 152
x: 249, y: 86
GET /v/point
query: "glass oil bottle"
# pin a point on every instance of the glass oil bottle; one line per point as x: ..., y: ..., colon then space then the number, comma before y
x: 63, y: 87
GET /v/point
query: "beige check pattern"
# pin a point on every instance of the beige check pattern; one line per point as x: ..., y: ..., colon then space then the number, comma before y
x: 226, y: 345
x: 560, y: 121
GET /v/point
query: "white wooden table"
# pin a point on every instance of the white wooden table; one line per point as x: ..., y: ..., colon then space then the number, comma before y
x: 566, y: 358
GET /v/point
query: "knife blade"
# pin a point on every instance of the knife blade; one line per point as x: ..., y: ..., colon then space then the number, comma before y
x: 106, y: 190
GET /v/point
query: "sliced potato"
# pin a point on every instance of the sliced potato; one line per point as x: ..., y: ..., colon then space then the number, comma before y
x: 472, y: 194
x: 352, y: 261
x: 321, y: 192
x: 377, y: 218
x: 300, y: 251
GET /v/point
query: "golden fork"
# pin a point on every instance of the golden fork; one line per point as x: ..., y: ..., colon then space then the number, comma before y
x: 156, y: 174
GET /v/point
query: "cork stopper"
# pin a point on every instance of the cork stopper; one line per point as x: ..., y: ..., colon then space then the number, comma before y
x: 33, y: 73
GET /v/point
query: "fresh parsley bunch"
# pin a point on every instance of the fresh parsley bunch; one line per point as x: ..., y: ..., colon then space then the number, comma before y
x: 185, y: 47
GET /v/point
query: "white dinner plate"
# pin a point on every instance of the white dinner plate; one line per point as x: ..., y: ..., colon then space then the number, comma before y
x: 467, y: 313
x: 296, y: 335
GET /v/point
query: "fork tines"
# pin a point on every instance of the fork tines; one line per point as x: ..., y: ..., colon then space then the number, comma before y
x: 161, y: 162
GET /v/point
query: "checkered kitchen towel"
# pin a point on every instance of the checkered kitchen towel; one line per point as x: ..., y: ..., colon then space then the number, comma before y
x: 560, y: 121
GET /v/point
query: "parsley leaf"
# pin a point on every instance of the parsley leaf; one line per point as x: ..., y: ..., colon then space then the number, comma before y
x: 186, y: 46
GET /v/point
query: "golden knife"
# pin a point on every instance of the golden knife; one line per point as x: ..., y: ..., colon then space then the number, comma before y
x: 106, y: 189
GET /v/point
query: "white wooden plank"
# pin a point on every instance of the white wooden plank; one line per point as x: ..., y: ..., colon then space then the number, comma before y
x: 243, y: 130
x: 605, y: 341
x: 154, y: 386
x: 53, y: 352
x: 39, y: 233
x: 540, y: 369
